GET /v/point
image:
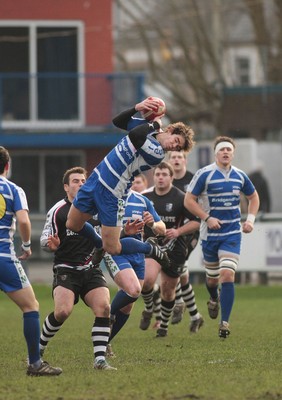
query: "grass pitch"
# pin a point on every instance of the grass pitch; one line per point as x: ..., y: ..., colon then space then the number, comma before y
x: 247, y: 365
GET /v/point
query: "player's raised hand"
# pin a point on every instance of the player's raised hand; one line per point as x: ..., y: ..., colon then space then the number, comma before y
x: 148, y: 104
x: 133, y: 227
x: 148, y: 219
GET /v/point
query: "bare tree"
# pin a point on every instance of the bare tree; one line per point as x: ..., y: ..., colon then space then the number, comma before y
x: 268, y: 35
x: 182, y: 43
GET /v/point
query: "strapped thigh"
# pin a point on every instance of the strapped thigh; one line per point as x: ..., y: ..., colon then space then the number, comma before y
x: 228, y: 263
x: 212, y: 269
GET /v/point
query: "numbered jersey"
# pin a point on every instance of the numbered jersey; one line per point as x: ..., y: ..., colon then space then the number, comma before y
x: 12, y: 199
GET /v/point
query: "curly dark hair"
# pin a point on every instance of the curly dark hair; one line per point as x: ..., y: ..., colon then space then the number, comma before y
x: 179, y: 128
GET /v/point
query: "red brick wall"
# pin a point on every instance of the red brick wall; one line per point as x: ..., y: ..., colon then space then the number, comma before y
x: 96, y: 15
x: 97, y: 18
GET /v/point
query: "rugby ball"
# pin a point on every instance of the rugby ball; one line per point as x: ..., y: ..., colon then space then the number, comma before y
x: 152, y: 114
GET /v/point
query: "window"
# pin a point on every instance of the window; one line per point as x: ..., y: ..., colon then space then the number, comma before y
x: 243, y: 71
x: 41, y: 175
x: 39, y: 74
x: 15, y: 59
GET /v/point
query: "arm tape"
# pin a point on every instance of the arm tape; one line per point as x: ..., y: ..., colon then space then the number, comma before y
x: 26, y: 245
x: 251, y: 218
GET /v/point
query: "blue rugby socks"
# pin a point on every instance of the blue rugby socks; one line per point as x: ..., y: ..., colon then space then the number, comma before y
x: 121, y: 300
x: 227, y: 296
x: 120, y: 320
x: 213, y: 291
x: 132, y: 246
x: 31, y: 329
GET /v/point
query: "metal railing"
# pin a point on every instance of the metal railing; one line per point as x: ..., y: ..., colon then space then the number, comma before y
x: 60, y: 101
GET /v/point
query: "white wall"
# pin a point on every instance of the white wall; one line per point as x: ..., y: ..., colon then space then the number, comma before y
x: 261, y: 250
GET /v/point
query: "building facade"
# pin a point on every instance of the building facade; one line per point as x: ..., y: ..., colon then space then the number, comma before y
x: 58, y: 93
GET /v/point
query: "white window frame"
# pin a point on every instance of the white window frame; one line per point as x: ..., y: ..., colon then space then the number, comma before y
x: 243, y: 72
x: 33, y: 122
x: 229, y: 64
x: 42, y: 154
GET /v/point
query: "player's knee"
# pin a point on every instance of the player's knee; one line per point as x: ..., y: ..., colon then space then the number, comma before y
x: 227, y: 276
x: 168, y: 293
x: 148, y: 285
x: 134, y: 292
x: 30, y: 305
x: 212, y: 282
x: 35, y: 305
x: 112, y: 248
x: 62, y: 315
x: 106, y: 310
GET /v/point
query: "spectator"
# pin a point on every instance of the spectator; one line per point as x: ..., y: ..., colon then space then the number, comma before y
x: 261, y: 185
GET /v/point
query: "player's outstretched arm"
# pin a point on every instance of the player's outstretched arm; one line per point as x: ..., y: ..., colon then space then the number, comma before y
x: 121, y: 120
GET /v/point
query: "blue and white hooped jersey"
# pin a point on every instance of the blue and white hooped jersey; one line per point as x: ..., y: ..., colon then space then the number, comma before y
x: 124, y: 162
x: 218, y: 193
x: 12, y: 199
x: 135, y: 206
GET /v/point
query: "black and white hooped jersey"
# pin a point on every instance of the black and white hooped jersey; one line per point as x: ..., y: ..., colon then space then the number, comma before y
x: 74, y: 249
x: 172, y: 212
x: 183, y: 183
x: 218, y: 192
